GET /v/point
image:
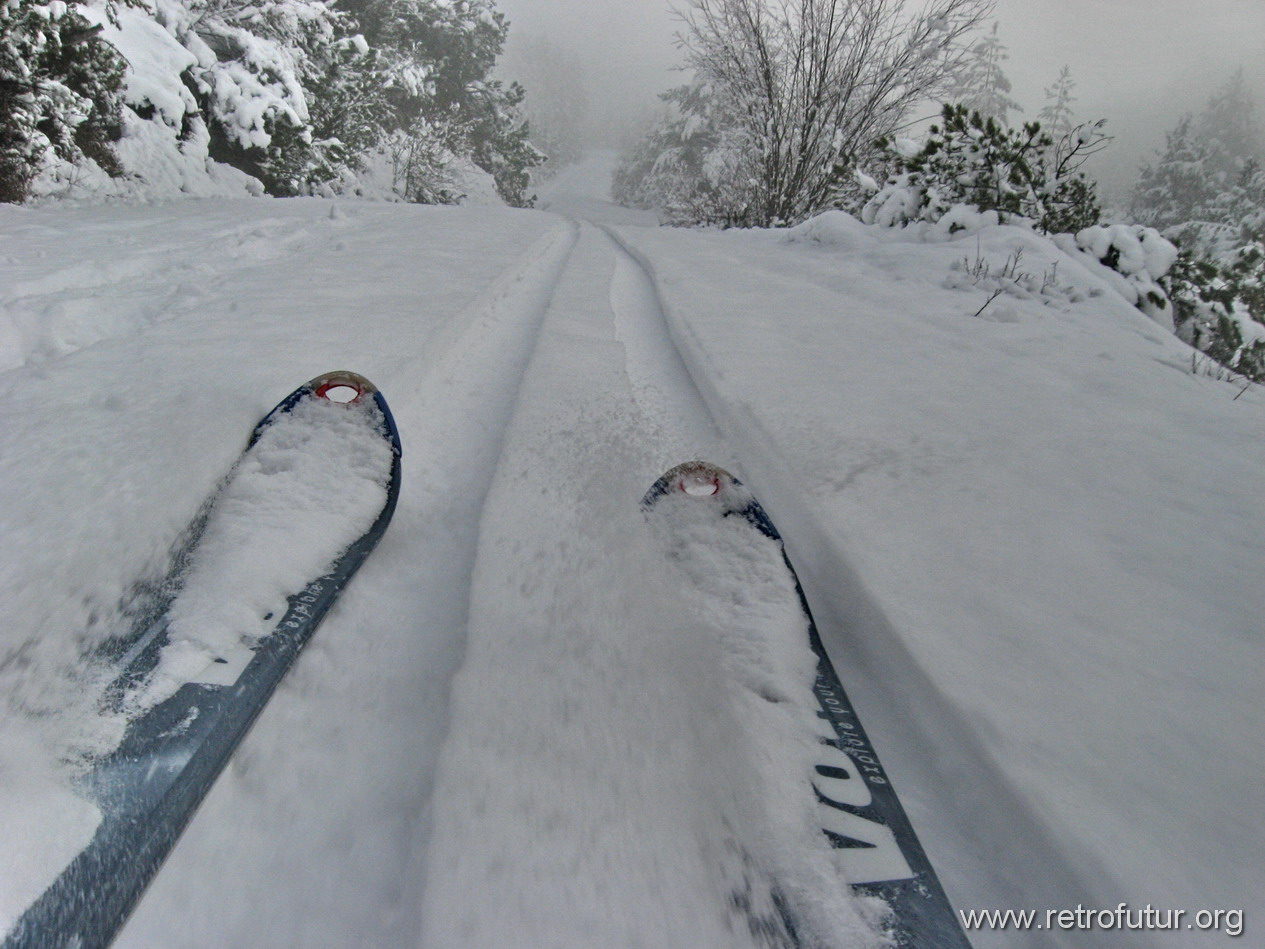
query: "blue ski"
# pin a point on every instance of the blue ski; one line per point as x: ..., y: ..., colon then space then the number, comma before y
x: 174, y: 747
x: 857, y: 806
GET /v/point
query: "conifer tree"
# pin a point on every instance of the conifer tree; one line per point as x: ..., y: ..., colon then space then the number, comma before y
x: 60, y: 96
x: 1230, y: 118
x: 1056, y: 117
x: 261, y: 68
x: 970, y: 159
x: 435, y: 68
x: 1206, y: 190
x: 1182, y: 184
x: 302, y: 95
x: 981, y: 84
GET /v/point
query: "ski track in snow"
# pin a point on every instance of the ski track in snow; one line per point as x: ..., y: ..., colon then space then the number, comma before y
x: 986, y: 852
x: 581, y: 645
x: 415, y: 623
x: 867, y: 654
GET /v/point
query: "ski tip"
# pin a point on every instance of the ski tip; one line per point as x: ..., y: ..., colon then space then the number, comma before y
x: 343, y: 387
x: 704, y: 480
x: 697, y: 479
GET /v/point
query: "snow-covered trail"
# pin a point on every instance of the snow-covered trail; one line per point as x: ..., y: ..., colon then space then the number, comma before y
x: 598, y: 776
x: 449, y: 347
x: 518, y: 555
x: 1030, y: 543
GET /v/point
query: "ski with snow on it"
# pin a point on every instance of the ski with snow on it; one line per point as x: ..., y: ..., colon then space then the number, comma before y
x: 857, y: 806
x: 331, y: 438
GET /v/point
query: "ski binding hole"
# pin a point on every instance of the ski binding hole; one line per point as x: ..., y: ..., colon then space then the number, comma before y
x: 341, y: 391
x: 699, y: 484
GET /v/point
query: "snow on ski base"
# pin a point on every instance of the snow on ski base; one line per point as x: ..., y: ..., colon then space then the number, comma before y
x: 1031, y: 540
x: 313, y: 482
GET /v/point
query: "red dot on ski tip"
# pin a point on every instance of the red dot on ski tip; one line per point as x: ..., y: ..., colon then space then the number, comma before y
x: 340, y: 390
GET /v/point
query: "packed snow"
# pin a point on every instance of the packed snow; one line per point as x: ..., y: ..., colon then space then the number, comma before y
x: 1031, y: 536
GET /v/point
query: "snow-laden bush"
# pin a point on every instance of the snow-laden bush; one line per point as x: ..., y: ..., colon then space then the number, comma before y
x: 892, y: 206
x: 1219, y: 308
x: 60, y: 103
x: 1138, y: 257
x: 282, y: 85
x: 973, y: 160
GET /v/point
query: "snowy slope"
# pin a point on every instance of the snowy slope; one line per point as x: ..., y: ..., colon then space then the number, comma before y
x: 1032, y: 539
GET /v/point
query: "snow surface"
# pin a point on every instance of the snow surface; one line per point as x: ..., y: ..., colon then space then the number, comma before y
x: 1032, y: 540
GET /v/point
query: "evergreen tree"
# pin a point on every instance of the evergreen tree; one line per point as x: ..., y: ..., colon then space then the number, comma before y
x: 1230, y: 119
x: 981, y: 84
x: 1243, y: 205
x: 1182, y: 184
x: 347, y: 117
x: 435, y: 68
x: 1207, y: 192
x: 261, y: 69
x: 1205, y: 182
x: 1056, y: 115
x: 60, y: 93
x: 971, y: 159
x: 296, y: 93
x: 693, y: 164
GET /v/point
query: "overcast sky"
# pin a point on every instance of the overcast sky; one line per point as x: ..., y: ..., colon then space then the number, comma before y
x: 1137, y: 63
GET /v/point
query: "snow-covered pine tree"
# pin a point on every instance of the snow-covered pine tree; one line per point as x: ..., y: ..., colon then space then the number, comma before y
x: 1232, y: 120
x: 1056, y: 116
x: 633, y: 183
x: 1242, y: 205
x: 694, y: 165
x: 60, y: 100
x: 1206, y: 191
x: 981, y: 84
x: 1201, y: 182
x: 435, y: 63
x: 1184, y: 181
x: 348, y: 115
x: 260, y: 66
x: 288, y: 91
x: 971, y: 159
